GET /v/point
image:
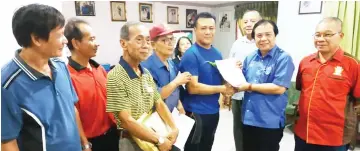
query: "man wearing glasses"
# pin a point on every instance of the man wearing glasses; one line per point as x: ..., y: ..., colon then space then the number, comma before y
x: 163, y: 70
x: 131, y: 91
x: 329, y: 81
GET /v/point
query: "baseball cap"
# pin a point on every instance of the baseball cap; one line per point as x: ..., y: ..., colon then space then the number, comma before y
x: 159, y: 30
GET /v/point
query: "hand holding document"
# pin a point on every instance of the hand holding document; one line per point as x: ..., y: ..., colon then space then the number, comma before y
x: 230, y: 71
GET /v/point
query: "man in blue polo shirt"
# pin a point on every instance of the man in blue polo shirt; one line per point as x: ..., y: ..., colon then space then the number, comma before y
x: 37, y: 97
x: 163, y: 69
x: 268, y: 72
x: 206, y: 84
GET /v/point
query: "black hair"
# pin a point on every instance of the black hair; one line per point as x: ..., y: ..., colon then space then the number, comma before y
x: 37, y: 19
x: 262, y: 22
x: 203, y: 15
x: 72, y: 31
x: 177, y: 47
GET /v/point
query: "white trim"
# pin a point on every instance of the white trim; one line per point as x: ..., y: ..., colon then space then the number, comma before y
x: 41, y: 125
x: 11, y: 78
x: 25, y: 69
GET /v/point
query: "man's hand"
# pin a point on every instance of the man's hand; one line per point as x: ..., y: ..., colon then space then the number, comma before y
x: 89, y: 149
x: 239, y: 64
x: 166, y: 146
x: 243, y: 87
x: 182, y: 78
x: 229, y: 90
x: 173, y: 136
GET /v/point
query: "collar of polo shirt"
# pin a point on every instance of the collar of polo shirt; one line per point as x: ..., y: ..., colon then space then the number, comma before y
x: 31, y: 72
x: 129, y: 70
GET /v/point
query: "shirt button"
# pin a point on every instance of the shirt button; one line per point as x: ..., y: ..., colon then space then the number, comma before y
x: 249, y: 100
x: 247, y: 110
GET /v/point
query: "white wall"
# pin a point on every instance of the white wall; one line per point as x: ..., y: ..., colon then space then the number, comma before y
x: 108, y: 32
x: 8, y: 43
x: 224, y: 40
x: 295, y: 31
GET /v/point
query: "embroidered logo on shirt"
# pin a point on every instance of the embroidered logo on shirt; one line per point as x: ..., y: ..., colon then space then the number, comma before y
x: 212, y: 63
x: 267, y: 70
x: 338, y: 70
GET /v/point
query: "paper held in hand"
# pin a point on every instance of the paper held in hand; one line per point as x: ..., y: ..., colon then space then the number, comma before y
x: 230, y: 72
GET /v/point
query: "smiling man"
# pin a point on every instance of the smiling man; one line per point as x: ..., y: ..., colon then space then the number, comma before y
x: 329, y: 81
x: 268, y: 71
x: 97, y: 128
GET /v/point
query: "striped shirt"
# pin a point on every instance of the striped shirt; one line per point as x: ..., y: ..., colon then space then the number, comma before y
x: 128, y: 91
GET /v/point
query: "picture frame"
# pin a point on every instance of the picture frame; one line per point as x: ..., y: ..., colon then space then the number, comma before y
x: 224, y: 21
x: 190, y: 16
x: 172, y: 15
x: 85, y: 8
x: 310, y: 7
x: 118, y: 10
x: 145, y: 13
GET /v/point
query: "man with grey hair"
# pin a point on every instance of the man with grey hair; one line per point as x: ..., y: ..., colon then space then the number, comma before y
x: 239, y: 50
x: 131, y: 92
x: 329, y: 81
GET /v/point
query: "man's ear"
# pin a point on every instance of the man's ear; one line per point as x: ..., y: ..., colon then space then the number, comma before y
x: 35, y: 40
x: 123, y: 43
x: 75, y: 43
x: 341, y: 34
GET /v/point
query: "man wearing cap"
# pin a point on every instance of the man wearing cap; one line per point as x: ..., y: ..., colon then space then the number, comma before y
x: 131, y: 91
x: 163, y: 69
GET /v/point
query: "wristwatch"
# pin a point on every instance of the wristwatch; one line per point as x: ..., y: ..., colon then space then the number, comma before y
x: 160, y: 141
x: 87, y: 146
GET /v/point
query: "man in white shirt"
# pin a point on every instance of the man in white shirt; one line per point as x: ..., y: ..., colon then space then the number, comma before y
x: 241, y: 48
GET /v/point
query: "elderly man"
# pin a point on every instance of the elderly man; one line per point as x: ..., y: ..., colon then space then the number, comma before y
x: 131, y: 92
x: 268, y: 71
x: 329, y: 81
x: 239, y: 50
x: 163, y: 69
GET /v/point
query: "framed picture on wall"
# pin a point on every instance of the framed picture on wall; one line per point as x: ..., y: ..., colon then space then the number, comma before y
x: 85, y: 8
x: 172, y: 15
x: 190, y: 17
x: 310, y: 7
x: 145, y: 12
x: 118, y: 10
x: 224, y: 21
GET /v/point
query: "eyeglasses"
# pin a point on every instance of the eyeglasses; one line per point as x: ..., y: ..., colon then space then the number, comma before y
x: 325, y: 35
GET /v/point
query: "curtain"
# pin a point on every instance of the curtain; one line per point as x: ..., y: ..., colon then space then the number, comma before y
x: 267, y: 9
x: 349, y: 13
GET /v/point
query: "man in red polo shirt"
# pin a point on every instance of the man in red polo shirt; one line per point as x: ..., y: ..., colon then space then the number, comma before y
x: 97, y: 129
x: 329, y: 81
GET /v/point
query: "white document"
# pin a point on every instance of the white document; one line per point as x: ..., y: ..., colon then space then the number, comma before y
x: 184, y: 124
x: 157, y: 124
x: 232, y: 74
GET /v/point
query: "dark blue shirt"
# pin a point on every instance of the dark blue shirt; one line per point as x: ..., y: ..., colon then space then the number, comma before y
x: 197, y: 60
x: 37, y: 111
x: 162, y: 77
x: 267, y: 110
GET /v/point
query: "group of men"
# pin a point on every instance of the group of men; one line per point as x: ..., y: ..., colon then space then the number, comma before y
x: 49, y: 105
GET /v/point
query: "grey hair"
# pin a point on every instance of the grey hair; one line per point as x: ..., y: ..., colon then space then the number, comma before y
x: 124, y: 31
x: 253, y: 10
x: 336, y: 20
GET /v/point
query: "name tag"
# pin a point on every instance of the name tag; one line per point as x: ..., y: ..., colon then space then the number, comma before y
x: 149, y: 89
